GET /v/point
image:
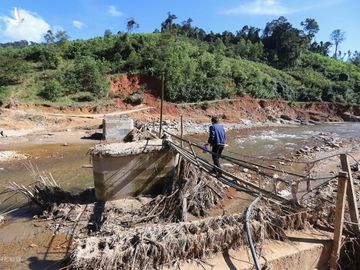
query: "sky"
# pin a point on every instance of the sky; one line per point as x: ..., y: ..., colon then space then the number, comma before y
x: 30, y: 19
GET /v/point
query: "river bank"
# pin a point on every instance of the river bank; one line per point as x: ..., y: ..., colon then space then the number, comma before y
x: 41, y: 123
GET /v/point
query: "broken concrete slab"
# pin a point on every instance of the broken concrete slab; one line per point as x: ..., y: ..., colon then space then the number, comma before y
x: 116, y: 128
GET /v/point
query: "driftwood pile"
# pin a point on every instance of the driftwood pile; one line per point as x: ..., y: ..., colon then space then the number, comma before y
x: 157, y: 234
x: 191, y: 191
x: 321, y: 206
x: 156, y: 245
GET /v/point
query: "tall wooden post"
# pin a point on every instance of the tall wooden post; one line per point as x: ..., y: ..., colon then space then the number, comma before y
x: 181, y: 131
x: 161, y: 104
x: 339, y: 219
x: 353, y: 209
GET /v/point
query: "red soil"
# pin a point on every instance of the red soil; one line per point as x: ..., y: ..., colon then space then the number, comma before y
x: 230, y: 111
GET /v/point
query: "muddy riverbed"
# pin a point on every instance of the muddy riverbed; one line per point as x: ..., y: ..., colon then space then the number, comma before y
x: 68, y: 163
x: 36, y: 246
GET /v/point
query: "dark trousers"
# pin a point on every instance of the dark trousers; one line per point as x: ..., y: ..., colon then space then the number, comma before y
x: 217, y: 150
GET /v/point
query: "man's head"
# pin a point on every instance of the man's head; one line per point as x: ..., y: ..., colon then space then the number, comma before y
x: 214, y: 120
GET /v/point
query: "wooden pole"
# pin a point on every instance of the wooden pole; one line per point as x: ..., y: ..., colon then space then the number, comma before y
x: 184, y: 209
x: 181, y: 131
x: 195, y: 156
x: 351, y: 195
x: 339, y: 219
x: 161, y: 104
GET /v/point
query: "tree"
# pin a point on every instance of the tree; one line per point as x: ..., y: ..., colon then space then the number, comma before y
x: 107, y: 33
x: 133, y: 61
x: 337, y: 36
x: 355, y: 58
x: 253, y: 34
x: 61, y: 37
x: 227, y: 37
x: 12, y: 73
x: 49, y: 37
x: 243, y: 33
x: 17, y: 44
x: 85, y: 75
x: 168, y: 23
x: 310, y: 28
x: 187, y: 28
x: 49, y: 57
x: 282, y: 42
x: 322, y: 47
x: 52, y: 90
x: 131, y: 24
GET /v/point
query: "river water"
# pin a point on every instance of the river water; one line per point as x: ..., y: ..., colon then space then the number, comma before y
x: 65, y: 162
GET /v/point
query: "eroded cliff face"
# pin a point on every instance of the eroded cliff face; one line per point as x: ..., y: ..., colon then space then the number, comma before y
x: 229, y: 110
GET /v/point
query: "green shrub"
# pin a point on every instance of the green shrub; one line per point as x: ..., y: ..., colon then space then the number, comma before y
x: 12, y: 68
x: 86, y: 75
x: 52, y: 90
x: 4, y: 96
x: 49, y: 58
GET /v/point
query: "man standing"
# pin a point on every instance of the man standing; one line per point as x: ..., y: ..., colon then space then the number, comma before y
x: 217, y: 140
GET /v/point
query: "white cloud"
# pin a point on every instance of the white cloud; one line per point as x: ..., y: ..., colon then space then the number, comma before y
x: 22, y: 25
x: 275, y: 7
x: 261, y: 7
x: 78, y: 24
x: 113, y: 11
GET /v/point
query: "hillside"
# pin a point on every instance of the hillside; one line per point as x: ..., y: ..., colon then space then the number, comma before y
x: 196, y: 68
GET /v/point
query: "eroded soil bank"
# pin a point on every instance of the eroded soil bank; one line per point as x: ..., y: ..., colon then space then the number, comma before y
x: 21, y: 120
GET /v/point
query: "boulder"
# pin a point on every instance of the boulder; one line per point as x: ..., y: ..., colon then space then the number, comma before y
x: 271, y: 118
x: 350, y: 117
x: 286, y: 117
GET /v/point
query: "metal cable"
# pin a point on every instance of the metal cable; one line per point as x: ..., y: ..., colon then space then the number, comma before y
x: 318, y: 186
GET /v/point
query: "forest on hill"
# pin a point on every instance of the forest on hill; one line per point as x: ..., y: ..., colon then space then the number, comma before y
x: 277, y: 62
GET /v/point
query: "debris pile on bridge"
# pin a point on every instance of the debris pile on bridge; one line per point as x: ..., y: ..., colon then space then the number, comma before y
x: 109, y: 237
x: 157, y: 233
x: 155, y: 245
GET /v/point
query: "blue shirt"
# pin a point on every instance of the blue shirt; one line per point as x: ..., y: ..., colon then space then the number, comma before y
x: 217, y: 135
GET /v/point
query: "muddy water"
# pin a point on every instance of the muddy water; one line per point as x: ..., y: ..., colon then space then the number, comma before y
x: 65, y: 162
x: 280, y: 141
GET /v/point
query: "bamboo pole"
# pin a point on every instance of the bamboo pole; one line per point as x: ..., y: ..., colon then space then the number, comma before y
x: 161, y: 104
x: 351, y: 195
x: 339, y: 220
